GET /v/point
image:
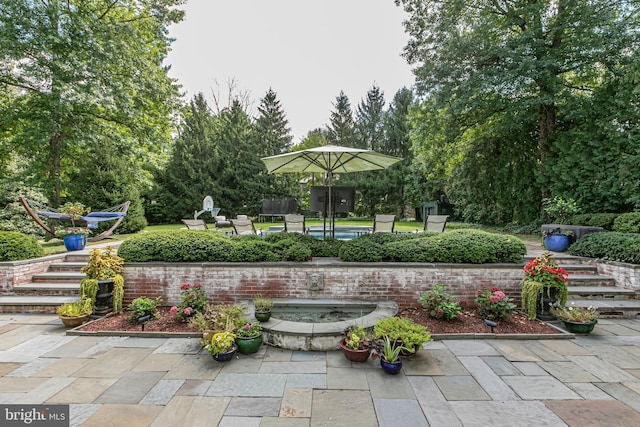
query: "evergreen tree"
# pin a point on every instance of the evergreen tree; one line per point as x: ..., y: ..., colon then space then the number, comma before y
x: 369, y: 119
x: 341, y: 126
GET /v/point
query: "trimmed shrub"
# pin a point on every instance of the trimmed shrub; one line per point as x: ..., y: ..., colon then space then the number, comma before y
x: 610, y: 246
x: 604, y: 220
x: 361, y: 250
x: 251, y: 250
x: 17, y: 246
x: 458, y: 246
x: 328, y: 247
x: 533, y: 228
x: 297, y: 252
x: 627, y: 223
x: 176, y: 246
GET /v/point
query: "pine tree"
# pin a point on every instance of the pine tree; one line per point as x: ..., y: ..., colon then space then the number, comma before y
x: 341, y: 126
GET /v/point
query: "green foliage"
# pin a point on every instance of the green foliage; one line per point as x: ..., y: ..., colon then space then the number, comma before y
x: 341, y: 124
x: 361, y: 250
x: 104, y: 264
x: 220, y: 317
x: 177, y: 246
x: 458, y: 246
x: 13, y: 216
x: 604, y: 220
x: 253, y: 251
x: 559, y: 209
x: 261, y: 303
x: 194, y: 300
x: 493, y: 304
x: 327, y: 247
x: 74, y: 86
x: 543, y: 277
x: 440, y: 304
x: 78, y: 308
x: 609, y: 246
x: 17, y: 246
x: 391, y: 350
x: 400, y: 328
x: 627, y: 223
x: 143, y: 306
x: 297, y: 252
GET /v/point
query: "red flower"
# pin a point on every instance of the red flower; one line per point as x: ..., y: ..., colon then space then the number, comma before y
x: 185, y: 286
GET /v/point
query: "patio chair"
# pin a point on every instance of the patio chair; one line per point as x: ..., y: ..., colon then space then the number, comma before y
x: 384, y: 223
x: 294, y: 224
x: 435, y: 223
x: 195, y: 224
x: 221, y: 221
x: 243, y: 226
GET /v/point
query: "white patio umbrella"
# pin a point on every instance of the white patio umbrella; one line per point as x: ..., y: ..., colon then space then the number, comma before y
x: 329, y: 159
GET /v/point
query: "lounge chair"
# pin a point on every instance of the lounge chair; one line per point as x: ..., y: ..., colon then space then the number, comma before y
x: 435, y: 223
x: 195, y: 224
x: 384, y: 223
x: 243, y: 226
x: 294, y: 224
x: 221, y: 221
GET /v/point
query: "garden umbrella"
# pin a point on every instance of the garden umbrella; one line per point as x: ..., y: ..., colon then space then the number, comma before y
x: 329, y: 159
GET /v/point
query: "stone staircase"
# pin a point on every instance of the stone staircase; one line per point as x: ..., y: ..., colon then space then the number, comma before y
x: 48, y: 290
x: 588, y: 288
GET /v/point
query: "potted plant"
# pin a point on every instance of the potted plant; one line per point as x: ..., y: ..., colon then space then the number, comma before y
x: 222, y: 346
x: 218, y: 318
x: 389, y: 351
x: 578, y: 320
x: 559, y: 210
x: 403, y: 331
x: 75, y: 313
x: 262, y: 308
x: 249, y: 338
x: 103, y: 283
x: 355, y: 345
x: 544, y: 284
x: 74, y: 238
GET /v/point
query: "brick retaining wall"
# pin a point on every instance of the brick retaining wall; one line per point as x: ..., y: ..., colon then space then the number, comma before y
x: 401, y: 282
x: 626, y: 275
x: 14, y: 273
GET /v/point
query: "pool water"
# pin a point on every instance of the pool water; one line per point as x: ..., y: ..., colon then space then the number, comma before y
x: 324, y: 314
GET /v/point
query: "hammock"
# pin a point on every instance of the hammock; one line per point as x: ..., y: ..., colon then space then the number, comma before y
x: 37, y: 210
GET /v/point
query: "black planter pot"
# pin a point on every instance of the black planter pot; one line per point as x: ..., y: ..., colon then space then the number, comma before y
x: 104, y: 298
x: 543, y: 311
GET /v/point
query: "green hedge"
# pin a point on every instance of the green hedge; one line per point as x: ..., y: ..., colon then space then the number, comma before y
x: 610, y: 246
x: 604, y: 220
x: 458, y: 246
x: 176, y: 246
x: 17, y: 246
x: 627, y: 223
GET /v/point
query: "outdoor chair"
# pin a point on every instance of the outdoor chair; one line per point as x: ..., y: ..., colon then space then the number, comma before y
x: 384, y: 223
x: 222, y: 221
x: 195, y: 224
x: 243, y: 226
x: 435, y: 223
x: 294, y: 224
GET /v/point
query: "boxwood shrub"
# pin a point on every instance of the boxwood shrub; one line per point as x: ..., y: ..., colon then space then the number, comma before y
x: 610, y: 246
x: 16, y: 246
x: 627, y: 223
x: 458, y: 246
x: 361, y: 250
x: 604, y: 220
x: 251, y: 250
x: 176, y: 246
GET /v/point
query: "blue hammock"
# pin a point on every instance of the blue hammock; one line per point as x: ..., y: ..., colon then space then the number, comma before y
x: 38, y: 210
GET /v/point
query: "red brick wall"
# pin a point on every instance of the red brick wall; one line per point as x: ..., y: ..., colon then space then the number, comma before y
x: 403, y: 283
x: 19, y: 272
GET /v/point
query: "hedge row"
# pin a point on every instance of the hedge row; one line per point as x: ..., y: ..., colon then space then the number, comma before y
x: 624, y: 223
x: 457, y: 246
x: 610, y: 246
x: 17, y: 246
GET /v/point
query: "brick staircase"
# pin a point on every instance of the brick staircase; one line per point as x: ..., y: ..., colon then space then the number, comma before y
x: 588, y: 288
x: 48, y: 290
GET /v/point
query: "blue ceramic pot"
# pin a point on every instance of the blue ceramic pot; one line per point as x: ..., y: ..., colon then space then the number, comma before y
x: 75, y: 242
x: 225, y: 357
x: 556, y: 242
x: 391, y: 368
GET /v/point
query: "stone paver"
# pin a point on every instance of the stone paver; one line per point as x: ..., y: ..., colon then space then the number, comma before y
x: 116, y: 381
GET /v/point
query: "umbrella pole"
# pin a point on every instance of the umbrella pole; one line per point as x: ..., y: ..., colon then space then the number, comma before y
x: 330, y: 210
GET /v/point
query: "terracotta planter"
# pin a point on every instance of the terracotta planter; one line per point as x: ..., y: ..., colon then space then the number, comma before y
x: 73, y: 322
x: 354, y: 355
x: 579, y: 327
x: 249, y: 345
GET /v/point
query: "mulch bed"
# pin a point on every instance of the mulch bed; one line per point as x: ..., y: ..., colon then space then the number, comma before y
x: 468, y: 322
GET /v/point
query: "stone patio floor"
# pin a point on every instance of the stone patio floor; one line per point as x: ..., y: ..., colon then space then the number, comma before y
x: 121, y: 381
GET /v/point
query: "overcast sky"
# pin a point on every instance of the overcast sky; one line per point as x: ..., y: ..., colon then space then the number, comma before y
x: 305, y: 50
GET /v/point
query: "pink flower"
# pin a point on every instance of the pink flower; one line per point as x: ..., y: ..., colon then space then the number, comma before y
x: 173, y: 310
x: 495, y: 298
x: 185, y: 286
x: 499, y: 294
x: 187, y: 311
x: 197, y: 286
x: 479, y: 292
